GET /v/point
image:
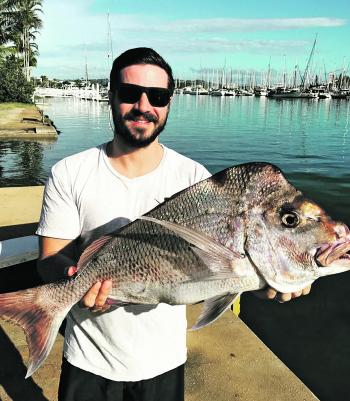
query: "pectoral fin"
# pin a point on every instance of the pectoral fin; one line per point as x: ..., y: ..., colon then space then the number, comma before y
x: 213, y: 308
x: 220, y: 267
x: 90, y: 251
x: 199, y: 240
x: 218, y: 259
x: 114, y: 302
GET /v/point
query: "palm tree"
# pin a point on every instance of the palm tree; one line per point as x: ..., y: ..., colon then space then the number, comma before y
x: 5, y: 33
x: 20, y: 22
x: 5, y: 26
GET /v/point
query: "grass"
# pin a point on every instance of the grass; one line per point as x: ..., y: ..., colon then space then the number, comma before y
x: 12, y: 114
x: 15, y: 105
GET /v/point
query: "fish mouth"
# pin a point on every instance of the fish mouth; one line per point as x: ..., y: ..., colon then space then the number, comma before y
x: 335, y: 257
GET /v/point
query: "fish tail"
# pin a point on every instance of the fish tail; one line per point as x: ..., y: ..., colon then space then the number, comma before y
x: 40, y: 321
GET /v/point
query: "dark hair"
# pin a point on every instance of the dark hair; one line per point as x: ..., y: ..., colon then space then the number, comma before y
x: 139, y: 55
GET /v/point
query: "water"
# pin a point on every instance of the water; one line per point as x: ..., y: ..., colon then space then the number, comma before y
x: 308, y: 139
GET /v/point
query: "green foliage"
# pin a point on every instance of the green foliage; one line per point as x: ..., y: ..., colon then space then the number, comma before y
x: 19, y: 23
x: 14, y: 86
x: 45, y: 83
x: 343, y: 81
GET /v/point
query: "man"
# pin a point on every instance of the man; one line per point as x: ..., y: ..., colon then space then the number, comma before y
x: 135, y: 353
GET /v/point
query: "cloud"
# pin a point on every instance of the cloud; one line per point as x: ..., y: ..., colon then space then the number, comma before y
x: 225, y: 24
x: 69, y: 61
x: 196, y: 45
x: 82, y: 35
x: 222, y: 45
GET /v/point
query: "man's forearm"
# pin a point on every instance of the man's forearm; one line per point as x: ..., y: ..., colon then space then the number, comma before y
x: 56, y: 256
x: 54, y: 268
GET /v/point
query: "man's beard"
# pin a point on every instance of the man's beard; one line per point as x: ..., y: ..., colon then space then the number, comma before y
x: 137, y: 141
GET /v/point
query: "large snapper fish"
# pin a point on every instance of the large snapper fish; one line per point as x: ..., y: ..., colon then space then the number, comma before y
x: 242, y: 229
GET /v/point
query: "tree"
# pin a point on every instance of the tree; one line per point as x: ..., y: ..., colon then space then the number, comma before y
x: 45, y: 83
x: 14, y: 86
x: 19, y: 24
x: 343, y: 81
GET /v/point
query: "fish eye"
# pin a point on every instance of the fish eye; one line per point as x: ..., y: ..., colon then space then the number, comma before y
x: 290, y: 219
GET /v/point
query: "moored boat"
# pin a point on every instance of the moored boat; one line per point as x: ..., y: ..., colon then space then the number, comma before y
x: 340, y: 94
x: 260, y: 91
x: 218, y: 92
x: 291, y: 93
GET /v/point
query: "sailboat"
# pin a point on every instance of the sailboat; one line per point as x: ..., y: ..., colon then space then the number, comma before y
x: 340, y: 92
x: 295, y: 92
x: 220, y: 86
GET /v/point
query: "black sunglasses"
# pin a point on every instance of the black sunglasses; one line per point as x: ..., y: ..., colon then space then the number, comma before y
x: 130, y: 93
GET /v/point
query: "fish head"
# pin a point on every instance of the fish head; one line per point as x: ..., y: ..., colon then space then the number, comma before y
x: 290, y: 240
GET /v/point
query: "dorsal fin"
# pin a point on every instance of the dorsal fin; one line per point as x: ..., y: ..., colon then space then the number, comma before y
x: 90, y: 251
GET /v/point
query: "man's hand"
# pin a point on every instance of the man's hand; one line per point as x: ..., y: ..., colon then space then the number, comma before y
x: 272, y: 294
x: 95, y: 298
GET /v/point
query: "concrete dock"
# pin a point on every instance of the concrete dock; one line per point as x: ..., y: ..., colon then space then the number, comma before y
x: 226, y: 361
x: 25, y: 121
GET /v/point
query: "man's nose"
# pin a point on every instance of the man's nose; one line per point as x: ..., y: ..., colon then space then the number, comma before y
x: 143, y: 103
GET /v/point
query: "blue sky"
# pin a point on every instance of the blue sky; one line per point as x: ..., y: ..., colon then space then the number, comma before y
x: 193, y: 35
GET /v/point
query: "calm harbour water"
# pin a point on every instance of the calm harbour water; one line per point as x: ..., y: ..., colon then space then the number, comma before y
x: 308, y: 139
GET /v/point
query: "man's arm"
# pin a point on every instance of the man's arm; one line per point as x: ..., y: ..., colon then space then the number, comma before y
x: 57, y: 259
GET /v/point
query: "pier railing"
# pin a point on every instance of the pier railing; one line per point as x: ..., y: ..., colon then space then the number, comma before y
x: 20, y: 211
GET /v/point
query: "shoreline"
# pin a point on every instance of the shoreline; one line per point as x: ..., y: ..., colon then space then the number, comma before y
x: 25, y: 121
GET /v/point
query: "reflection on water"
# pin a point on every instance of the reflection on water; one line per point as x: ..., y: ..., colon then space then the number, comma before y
x: 308, y: 139
x: 82, y: 124
x: 21, y: 161
x: 244, y: 128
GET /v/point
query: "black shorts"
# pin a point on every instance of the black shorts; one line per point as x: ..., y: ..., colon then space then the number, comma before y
x: 78, y: 385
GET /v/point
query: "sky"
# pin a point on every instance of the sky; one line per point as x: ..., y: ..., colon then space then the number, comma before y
x: 193, y: 35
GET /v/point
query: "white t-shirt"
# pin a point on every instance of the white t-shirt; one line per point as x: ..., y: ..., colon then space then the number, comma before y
x: 85, y: 196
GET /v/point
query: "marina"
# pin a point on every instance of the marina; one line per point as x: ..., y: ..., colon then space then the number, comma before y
x: 226, y: 82
x: 307, y: 139
x: 99, y: 93
x: 88, y: 92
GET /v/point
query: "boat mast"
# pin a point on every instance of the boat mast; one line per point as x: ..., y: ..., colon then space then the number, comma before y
x: 284, y: 73
x: 342, y: 75
x: 303, y: 80
x: 295, y: 76
x: 110, y: 57
x: 325, y: 73
x: 86, y: 69
x: 268, y: 75
x: 109, y: 41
